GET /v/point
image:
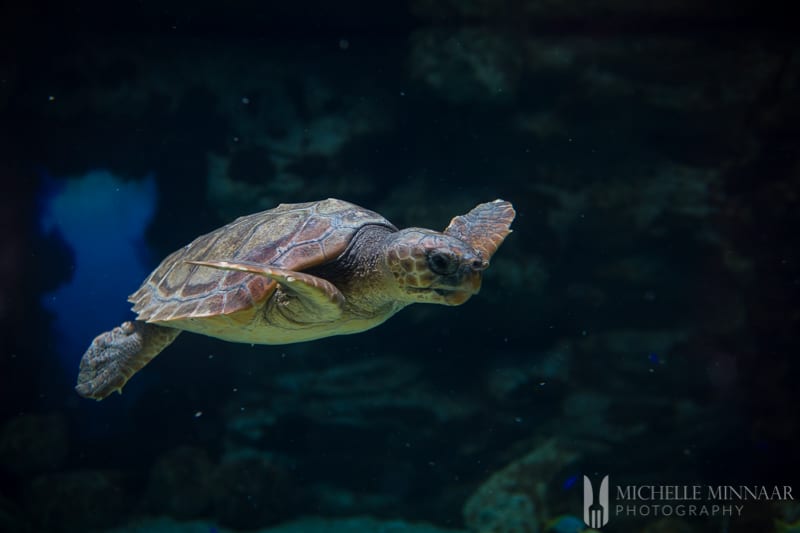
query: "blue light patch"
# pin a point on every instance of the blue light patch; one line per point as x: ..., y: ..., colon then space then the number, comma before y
x: 102, y: 219
x: 569, y: 482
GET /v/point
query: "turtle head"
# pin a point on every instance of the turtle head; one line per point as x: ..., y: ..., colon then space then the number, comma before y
x: 428, y: 266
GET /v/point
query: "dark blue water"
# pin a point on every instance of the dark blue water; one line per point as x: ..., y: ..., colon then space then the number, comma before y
x: 639, y: 323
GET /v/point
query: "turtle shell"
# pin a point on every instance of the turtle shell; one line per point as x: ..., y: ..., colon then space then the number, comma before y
x: 290, y: 236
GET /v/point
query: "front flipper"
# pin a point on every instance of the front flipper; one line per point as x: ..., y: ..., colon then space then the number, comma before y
x: 116, y: 355
x: 485, y: 227
x: 321, y: 298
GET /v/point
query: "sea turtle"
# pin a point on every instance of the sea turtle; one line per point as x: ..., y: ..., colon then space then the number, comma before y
x: 295, y: 273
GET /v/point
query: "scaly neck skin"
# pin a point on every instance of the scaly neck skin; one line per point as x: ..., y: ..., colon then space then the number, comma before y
x: 363, y: 276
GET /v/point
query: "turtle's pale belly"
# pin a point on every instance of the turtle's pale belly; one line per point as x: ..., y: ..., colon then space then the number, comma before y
x: 259, y: 331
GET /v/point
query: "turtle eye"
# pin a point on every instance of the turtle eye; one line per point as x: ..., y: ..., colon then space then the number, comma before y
x: 442, y: 263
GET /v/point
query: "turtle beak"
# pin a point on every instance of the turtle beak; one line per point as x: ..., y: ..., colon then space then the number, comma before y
x: 458, y: 297
x: 459, y: 288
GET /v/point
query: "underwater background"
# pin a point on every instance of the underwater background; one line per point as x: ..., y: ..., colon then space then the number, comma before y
x: 641, y: 322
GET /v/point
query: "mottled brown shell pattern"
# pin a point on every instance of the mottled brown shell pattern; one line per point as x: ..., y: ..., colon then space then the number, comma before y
x: 291, y: 236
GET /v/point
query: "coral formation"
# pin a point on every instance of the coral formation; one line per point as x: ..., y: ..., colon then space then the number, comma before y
x: 78, y: 500
x: 181, y: 483
x: 251, y: 492
x: 515, y: 498
x: 34, y: 443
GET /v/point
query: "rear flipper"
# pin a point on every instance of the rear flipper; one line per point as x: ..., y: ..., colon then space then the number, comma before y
x: 116, y: 355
